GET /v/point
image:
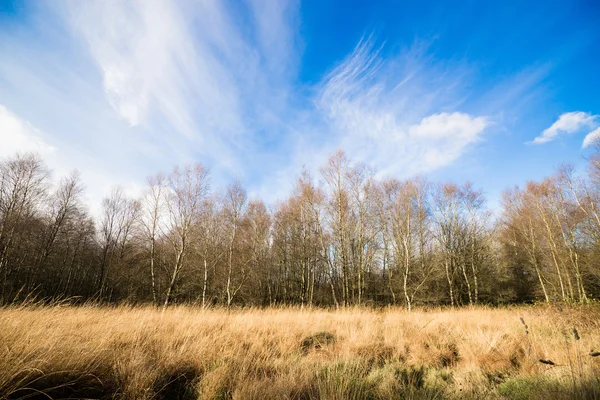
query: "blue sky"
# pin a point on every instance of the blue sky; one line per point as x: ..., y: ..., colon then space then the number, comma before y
x: 492, y: 92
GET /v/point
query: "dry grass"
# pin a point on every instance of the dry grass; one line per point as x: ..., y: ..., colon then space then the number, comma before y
x: 187, y: 353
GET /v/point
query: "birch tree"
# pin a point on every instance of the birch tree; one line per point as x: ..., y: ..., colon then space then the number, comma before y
x: 234, y: 207
x: 187, y: 187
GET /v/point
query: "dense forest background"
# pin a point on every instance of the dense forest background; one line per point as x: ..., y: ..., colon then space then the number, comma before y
x: 342, y: 238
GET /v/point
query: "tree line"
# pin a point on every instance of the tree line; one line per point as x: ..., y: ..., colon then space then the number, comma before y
x: 341, y: 238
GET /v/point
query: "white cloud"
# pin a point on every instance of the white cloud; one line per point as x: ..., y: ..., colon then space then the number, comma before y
x: 150, y: 60
x: 387, y: 111
x: 453, y: 126
x: 126, y: 88
x: 591, y: 138
x: 570, y: 122
x: 17, y: 135
x: 191, y: 72
x: 129, y: 88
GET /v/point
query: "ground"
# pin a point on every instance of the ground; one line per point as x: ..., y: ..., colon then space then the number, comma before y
x: 544, y: 352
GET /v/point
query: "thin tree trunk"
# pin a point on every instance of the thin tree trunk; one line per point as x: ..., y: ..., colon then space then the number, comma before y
x: 205, y: 283
x: 473, y: 267
x: 152, y: 256
x: 553, y: 252
x: 450, y: 283
x: 463, y: 268
x: 178, y: 265
x: 535, y: 263
x: 230, y: 265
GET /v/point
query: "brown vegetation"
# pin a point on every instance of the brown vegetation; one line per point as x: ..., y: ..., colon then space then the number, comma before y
x: 190, y: 353
x: 341, y: 239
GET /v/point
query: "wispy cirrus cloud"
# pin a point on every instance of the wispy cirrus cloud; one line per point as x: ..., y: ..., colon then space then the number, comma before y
x: 148, y: 58
x: 567, y: 123
x: 401, y: 113
x: 190, y: 67
x: 128, y: 88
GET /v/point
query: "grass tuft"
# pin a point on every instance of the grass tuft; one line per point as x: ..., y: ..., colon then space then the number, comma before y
x: 317, y: 341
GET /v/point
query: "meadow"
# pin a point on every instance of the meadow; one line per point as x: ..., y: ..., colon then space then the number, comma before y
x: 122, y: 352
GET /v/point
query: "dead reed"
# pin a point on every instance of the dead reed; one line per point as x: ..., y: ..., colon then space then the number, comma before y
x: 189, y: 353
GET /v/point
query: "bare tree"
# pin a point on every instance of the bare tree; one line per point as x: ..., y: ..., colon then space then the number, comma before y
x: 187, y: 187
x: 348, y: 236
x: 65, y: 205
x: 403, y: 221
x: 258, y: 235
x: 457, y: 211
x: 152, y: 216
x: 335, y: 174
x: 234, y: 206
x: 540, y: 195
x: 119, y: 215
x: 477, y: 224
x: 210, y: 235
x: 446, y: 203
x: 519, y: 232
x: 363, y: 226
x: 23, y: 186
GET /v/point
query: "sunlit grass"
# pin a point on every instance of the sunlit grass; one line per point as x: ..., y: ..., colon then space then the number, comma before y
x: 188, y: 353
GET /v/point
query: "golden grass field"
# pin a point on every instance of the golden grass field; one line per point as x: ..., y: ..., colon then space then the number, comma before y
x: 189, y: 353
